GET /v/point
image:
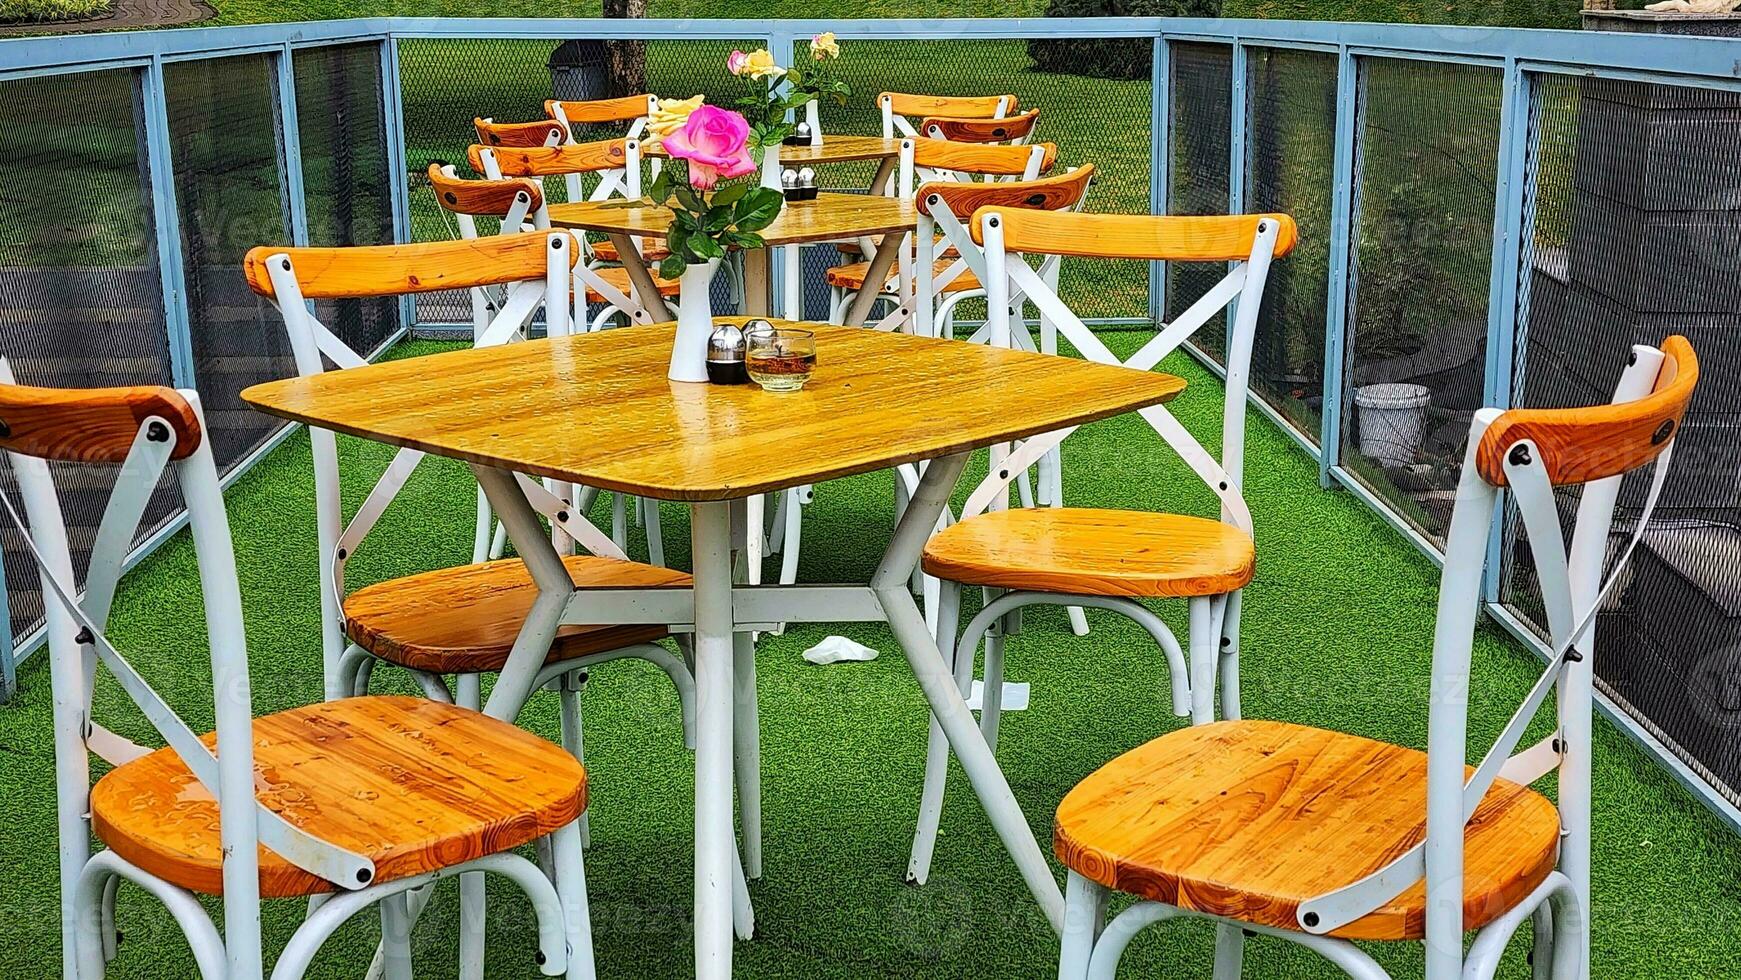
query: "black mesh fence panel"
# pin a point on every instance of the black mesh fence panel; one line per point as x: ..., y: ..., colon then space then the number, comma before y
x: 1290, y: 130
x: 1636, y: 235
x: 224, y: 144
x: 347, y: 184
x: 1201, y: 118
x: 80, y: 297
x: 448, y: 83
x: 1427, y: 153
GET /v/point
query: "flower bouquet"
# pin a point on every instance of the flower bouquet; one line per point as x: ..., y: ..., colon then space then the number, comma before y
x: 817, y: 82
x: 765, y: 106
x: 712, y: 145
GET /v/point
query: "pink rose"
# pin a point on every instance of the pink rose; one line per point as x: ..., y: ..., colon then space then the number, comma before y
x: 734, y: 62
x: 715, y: 141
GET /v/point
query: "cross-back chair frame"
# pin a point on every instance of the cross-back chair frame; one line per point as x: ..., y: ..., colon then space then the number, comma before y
x: 899, y: 109
x: 1531, y: 452
x: 167, y: 434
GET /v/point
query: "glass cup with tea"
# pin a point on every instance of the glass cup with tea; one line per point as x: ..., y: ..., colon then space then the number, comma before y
x: 781, y: 359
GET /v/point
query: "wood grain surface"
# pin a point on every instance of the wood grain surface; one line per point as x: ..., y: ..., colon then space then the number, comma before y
x: 959, y: 106
x: 979, y: 130
x: 549, y: 161
x: 483, y: 198
x: 91, y: 425
x: 541, y: 132
x: 1212, y: 238
x: 356, y: 271
x: 831, y: 217
x: 597, y: 408
x: 834, y: 149
x: 465, y: 619
x: 1247, y: 819
x: 622, y: 109
x: 1044, y: 193
x: 411, y: 784
x: 1090, y: 551
x: 852, y: 276
x: 1583, y: 444
x: 981, y: 158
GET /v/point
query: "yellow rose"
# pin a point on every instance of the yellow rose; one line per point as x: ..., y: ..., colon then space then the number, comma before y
x: 823, y: 46
x: 760, y: 64
x: 669, y: 118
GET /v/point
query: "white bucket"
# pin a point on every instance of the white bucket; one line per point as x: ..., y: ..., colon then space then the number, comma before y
x: 1393, y: 421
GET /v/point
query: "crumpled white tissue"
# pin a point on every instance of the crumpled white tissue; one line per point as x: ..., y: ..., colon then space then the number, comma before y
x: 834, y: 649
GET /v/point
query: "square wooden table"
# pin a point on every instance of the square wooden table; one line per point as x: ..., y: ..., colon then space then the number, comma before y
x: 831, y: 217
x: 597, y: 409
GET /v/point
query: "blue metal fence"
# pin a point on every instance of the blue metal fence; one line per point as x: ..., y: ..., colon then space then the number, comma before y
x: 1518, y: 59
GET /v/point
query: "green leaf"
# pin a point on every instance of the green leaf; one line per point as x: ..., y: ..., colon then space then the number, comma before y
x: 718, y: 218
x: 729, y: 194
x: 660, y: 192
x: 758, y: 209
x: 689, y: 199
x: 685, y: 220
x: 676, y: 237
x: 672, y: 266
x: 706, y: 247
x: 748, y: 239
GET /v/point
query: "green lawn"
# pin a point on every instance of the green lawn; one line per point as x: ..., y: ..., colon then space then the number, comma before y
x: 1336, y: 634
x: 34, y: 11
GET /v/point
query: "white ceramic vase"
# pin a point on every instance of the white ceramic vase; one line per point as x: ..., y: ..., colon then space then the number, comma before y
x: 771, y: 167
x: 694, y: 323
x: 813, y: 116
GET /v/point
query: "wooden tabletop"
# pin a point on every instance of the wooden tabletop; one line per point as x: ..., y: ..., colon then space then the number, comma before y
x: 831, y: 217
x: 834, y: 149
x: 596, y: 408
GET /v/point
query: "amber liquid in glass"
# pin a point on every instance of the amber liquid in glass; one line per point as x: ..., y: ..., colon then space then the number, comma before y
x: 781, y: 370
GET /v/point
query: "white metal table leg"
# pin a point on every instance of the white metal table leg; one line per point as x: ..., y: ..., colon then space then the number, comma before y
x: 746, y: 748
x: 794, y: 281
x: 515, y: 681
x: 938, y: 683
x: 715, y: 846
x: 880, y: 264
x: 396, y: 936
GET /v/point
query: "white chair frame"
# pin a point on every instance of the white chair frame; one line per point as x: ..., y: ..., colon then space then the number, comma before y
x: 896, y: 125
x: 1573, y: 591
x: 347, y: 667
x: 77, y: 644
x: 1214, y: 620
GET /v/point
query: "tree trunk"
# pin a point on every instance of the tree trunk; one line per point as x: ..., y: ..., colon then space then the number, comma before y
x: 625, y: 61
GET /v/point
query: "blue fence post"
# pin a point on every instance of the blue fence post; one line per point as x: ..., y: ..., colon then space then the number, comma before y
x: 290, y: 146
x: 393, y: 112
x: 1238, y: 117
x: 1506, y: 276
x: 166, y: 222
x: 1342, y: 204
x: 1160, y: 163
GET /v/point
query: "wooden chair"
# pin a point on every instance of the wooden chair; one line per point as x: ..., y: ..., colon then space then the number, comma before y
x: 631, y: 109
x: 518, y: 201
x: 1320, y: 837
x: 929, y: 161
x: 598, y: 281
x: 541, y: 132
x: 1091, y: 557
x: 461, y: 620
x: 901, y: 108
x: 356, y: 807
x: 1017, y: 129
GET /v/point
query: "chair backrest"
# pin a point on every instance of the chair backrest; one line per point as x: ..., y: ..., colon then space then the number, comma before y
x: 540, y: 132
x: 632, y: 109
x: 145, y: 430
x: 1012, y: 129
x: 1247, y: 242
x: 513, y: 200
x: 1531, y: 452
x: 535, y: 271
x: 616, y: 162
x: 934, y: 160
x: 901, y: 108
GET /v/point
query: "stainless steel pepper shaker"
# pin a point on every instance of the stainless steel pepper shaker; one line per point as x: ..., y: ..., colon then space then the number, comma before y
x: 725, y: 355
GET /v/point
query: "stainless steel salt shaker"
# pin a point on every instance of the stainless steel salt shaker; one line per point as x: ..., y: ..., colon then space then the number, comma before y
x: 725, y: 355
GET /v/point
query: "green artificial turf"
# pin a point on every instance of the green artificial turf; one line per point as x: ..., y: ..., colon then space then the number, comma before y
x: 1336, y: 633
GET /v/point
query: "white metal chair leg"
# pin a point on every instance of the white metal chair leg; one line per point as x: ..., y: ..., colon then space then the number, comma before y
x: 620, y: 521
x: 753, y: 540
x: 747, y: 750
x: 569, y: 687
x: 1203, y: 642
x: 655, y: 532
x: 571, y: 891
x: 1084, y: 916
x: 937, y: 748
x: 1541, y: 955
x: 991, y: 692
x: 793, y: 530
x: 396, y: 937
x: 473, y: 892
x: 1229, y: 668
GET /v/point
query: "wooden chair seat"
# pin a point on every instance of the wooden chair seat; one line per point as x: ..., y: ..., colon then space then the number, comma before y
x: 1247, y: 819
x: 619, y: 277
x: 414, y: 785
x: 652, y: 250
x: 852, y: 248
x: 464, y: 619
x: 1087, y: 551
x: 851, y: 277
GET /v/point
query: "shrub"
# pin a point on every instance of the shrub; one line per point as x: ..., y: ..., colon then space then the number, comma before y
x: 1109, y: 57
x: 34, y: 11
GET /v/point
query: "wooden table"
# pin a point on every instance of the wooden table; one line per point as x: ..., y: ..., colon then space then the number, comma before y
x: 831, y: 217
x: 834, y: 149
x: 597, y: 409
